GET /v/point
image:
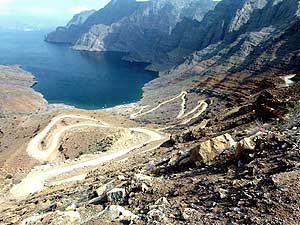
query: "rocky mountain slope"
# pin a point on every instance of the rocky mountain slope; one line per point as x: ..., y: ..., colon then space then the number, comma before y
x: 112, y: 13
x: 260, y: 33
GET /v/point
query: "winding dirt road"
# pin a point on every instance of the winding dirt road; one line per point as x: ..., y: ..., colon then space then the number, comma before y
x: 201, y: 107
x: 140, y: 113
x: 34, y: 147
x: 183, y: 105
x: 35, y: 181
x: 197, y: 111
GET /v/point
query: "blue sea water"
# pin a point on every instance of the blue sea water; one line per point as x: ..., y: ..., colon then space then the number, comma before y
x: 86, y: 80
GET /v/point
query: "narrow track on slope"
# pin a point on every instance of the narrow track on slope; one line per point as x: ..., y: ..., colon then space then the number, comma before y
x: 201, y: 107
x: 182, y: 94
x: 36, y: 179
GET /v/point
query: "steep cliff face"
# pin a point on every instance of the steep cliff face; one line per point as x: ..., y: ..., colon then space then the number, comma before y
x: 80, y: 18
x: 202, y: 35
x: 145, y: 34
x: 265, y: 38
x: 140, y: 28
x: 249, y: 37
x: 111, y: 13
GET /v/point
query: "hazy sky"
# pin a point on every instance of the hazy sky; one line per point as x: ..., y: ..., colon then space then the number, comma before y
x: 51, y: 11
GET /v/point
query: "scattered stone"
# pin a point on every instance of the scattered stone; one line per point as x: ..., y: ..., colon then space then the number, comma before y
x: 142, y: 178
x: 210, y: 149
x: 119, y: 212
x: 188, y: 213
x: 180, y: 159
x: 121, y: 178
x: 223, y: 193
x: 245, y: 146
x: 156, y: 216
x: 97, y: 200
x: 100, y: 195
x: 105, y: 188
x: 143, y: 182
x: 57, y: 217
x: 144, y: 187
x: 162, y: 201
x: 116, y: 194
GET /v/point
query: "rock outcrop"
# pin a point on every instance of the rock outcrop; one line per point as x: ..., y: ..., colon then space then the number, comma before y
x: 210, y: 149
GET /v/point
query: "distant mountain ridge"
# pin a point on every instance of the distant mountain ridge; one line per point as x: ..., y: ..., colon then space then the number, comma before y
x: 80, y: 18
x: 196, y: 36
x: 137, y: 28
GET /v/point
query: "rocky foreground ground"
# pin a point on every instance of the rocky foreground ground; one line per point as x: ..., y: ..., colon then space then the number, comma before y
x: 233, y: 160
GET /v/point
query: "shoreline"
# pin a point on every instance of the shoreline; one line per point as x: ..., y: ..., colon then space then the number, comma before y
x: 61, y: 105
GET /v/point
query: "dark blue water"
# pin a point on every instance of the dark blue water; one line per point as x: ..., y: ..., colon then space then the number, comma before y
x: 82, y: 79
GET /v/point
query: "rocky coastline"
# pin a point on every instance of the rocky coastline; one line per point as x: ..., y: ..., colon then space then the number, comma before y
x: 17, y: 95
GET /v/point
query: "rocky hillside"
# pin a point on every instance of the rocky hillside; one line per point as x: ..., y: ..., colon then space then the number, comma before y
x: 16, y: 95
x: 254, y: 35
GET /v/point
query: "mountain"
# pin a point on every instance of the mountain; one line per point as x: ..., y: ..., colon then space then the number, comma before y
x: 138, y: 28
x: 80, y: 18
x: 211, y: 36
x: 111, y: 13
x: 240, y: 34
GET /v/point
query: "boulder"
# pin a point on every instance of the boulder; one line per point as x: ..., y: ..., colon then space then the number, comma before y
x: 101, y: 193
x: 116, y: 194
x: 246, y: 145
x: 119, y: 212
x: 142, y: 178
x: 105, y: 188
x: 143, y: 182
x: 210, y: 149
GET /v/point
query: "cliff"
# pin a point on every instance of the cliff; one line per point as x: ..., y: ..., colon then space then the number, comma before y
x: 141, y: 29
x: 251, y: 34
x: 80, y: 18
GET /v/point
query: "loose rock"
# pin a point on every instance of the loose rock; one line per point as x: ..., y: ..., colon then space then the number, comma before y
x: 245, y: 146
x: 116, y: 194
x: 210, y: 149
